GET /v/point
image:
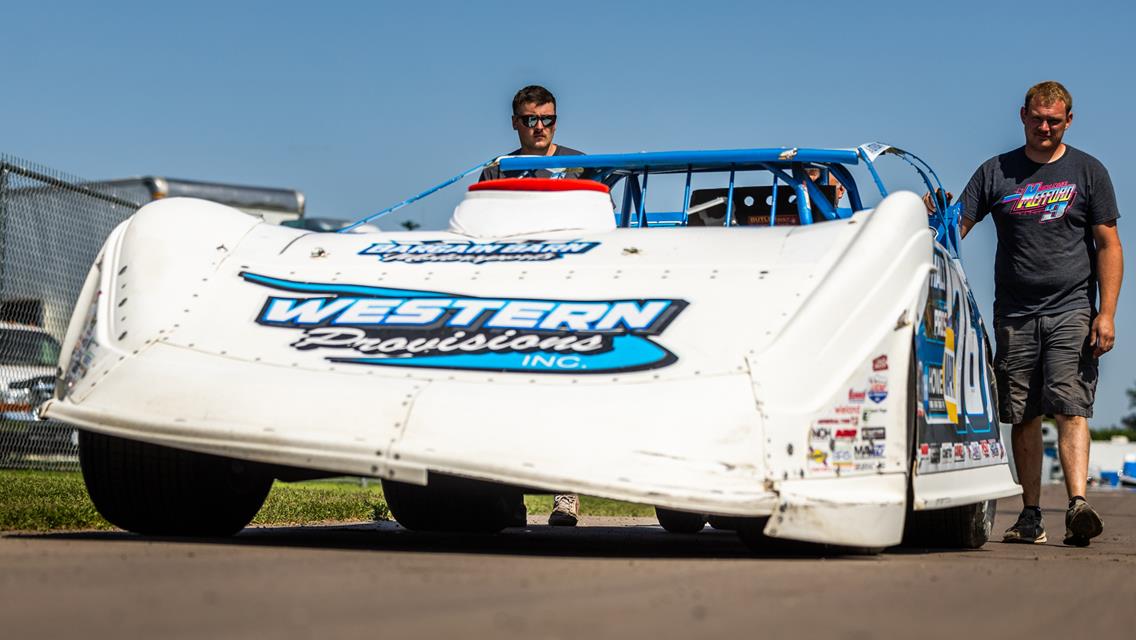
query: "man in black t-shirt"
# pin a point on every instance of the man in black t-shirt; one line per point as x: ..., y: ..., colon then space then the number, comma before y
x: 1055, y: 213
x: 534, y: 120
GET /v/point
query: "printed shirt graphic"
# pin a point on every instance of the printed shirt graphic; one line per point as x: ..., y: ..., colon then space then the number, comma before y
x: 1050, y: 200
x: 1044, y: 214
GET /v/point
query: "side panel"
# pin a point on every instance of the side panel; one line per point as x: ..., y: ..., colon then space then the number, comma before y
x: 956, y: 412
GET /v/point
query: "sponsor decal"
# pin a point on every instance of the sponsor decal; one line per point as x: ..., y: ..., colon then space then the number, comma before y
x: 960, y: 451
x: 845, y: 434
x: 83, y: 353
x: 842, y: 455
x: 868, y: 451
x: 996, y: 449
x: 880, y: 364
x: 820, y: 433
x: 946, y: 456
x: 985, y: 449
x: 924, y: 450
x: 433, y: 251
x: 1050, y: 200
x: 847, y: 409
x: 975, y: 451
x: 878, y: 389
x: 868, y: 414
x: 873, y: 433
x: 935, y: 453
x: 852, y: 420
x: 368, y: 325
x: 818, y: 458
x: 856, y: 397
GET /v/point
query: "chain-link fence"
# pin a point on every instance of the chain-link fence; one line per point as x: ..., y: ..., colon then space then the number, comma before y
x: 51, y: 227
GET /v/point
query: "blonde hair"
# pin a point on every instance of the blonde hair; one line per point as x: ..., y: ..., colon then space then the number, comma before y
x: 1049, y: 92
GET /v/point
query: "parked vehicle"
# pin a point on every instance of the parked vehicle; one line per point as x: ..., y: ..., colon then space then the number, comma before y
x: 29, y: 358
x: 796, y: 365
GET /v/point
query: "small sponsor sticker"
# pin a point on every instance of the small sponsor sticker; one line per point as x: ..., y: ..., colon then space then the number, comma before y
x: 880, y: 363
x: 845, y: 434
x: 873, y: 433
x: 818, y: 459
x: 946, y: 456
x: 924, y: 450
x: 856, y: 397
x: 878, y: 389
x: 960, y: 451
x: 868, y: 451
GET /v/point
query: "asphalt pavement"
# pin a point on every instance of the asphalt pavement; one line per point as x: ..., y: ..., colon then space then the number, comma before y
x: 622, y: 578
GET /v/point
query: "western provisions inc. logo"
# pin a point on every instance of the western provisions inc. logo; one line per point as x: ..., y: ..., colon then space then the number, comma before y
x: 414, y: 328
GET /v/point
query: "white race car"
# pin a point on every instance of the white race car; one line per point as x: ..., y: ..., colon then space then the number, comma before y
x: 766, y: 351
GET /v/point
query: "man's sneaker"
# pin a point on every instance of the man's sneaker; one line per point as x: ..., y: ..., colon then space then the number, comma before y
x: 1081, y: 524
x: 1027, y: 530
x: 565, y: 511
x: 520, y: 515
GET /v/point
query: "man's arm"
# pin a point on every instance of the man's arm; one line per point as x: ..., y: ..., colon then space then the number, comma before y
x: 965, y: 224
x: 1110, y: 271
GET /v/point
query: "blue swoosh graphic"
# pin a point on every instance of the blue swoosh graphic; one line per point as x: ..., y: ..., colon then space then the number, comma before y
x: 356, y: 289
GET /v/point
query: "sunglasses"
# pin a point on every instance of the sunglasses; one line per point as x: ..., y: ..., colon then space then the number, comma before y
x: 530, y: 121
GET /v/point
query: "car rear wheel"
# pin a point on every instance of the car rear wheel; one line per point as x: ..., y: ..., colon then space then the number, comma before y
x: 470, y: 509
x: 963, y: 527
x: 680, y: 521
x: 159, y: 491
x: 724, y: 523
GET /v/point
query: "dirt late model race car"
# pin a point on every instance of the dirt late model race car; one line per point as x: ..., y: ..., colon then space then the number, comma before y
x: 767, y: 351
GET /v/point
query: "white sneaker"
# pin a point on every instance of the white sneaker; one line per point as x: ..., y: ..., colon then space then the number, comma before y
x: 565, y: 510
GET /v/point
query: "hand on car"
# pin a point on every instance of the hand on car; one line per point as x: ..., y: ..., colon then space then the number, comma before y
x: 929, y: 201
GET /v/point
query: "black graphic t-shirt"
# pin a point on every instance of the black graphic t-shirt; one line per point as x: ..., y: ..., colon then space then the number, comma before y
x: 1044, y: 214
x: 494, y: 172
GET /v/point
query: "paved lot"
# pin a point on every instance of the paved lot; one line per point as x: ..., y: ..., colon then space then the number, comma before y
x: 611, y: 578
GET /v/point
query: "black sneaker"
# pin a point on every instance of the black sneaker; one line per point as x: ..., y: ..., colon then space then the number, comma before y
x: 1081, y: 524
x: 1027, y: 530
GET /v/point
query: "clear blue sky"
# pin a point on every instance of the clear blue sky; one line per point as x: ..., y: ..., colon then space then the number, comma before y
x: 360, y: 104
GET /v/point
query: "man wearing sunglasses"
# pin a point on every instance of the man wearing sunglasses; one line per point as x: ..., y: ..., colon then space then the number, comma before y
x: 534, y: 120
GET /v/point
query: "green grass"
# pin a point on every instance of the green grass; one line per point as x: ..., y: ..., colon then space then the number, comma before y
x: 57, y: 500
x: 46, y: 500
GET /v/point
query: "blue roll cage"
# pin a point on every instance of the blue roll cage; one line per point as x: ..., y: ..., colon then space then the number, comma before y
x: 787, y: 165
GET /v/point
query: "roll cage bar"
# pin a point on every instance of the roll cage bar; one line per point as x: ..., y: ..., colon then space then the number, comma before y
x: 787, y: 165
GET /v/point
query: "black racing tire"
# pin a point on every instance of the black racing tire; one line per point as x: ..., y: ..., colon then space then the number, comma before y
x: 723, y: 523
x: 680, y: 521
x: 159, y: 491
x: 964, y: 527
x: 449, y: 509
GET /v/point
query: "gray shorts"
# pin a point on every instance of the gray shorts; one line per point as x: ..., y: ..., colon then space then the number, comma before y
x: 1044, y: 365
